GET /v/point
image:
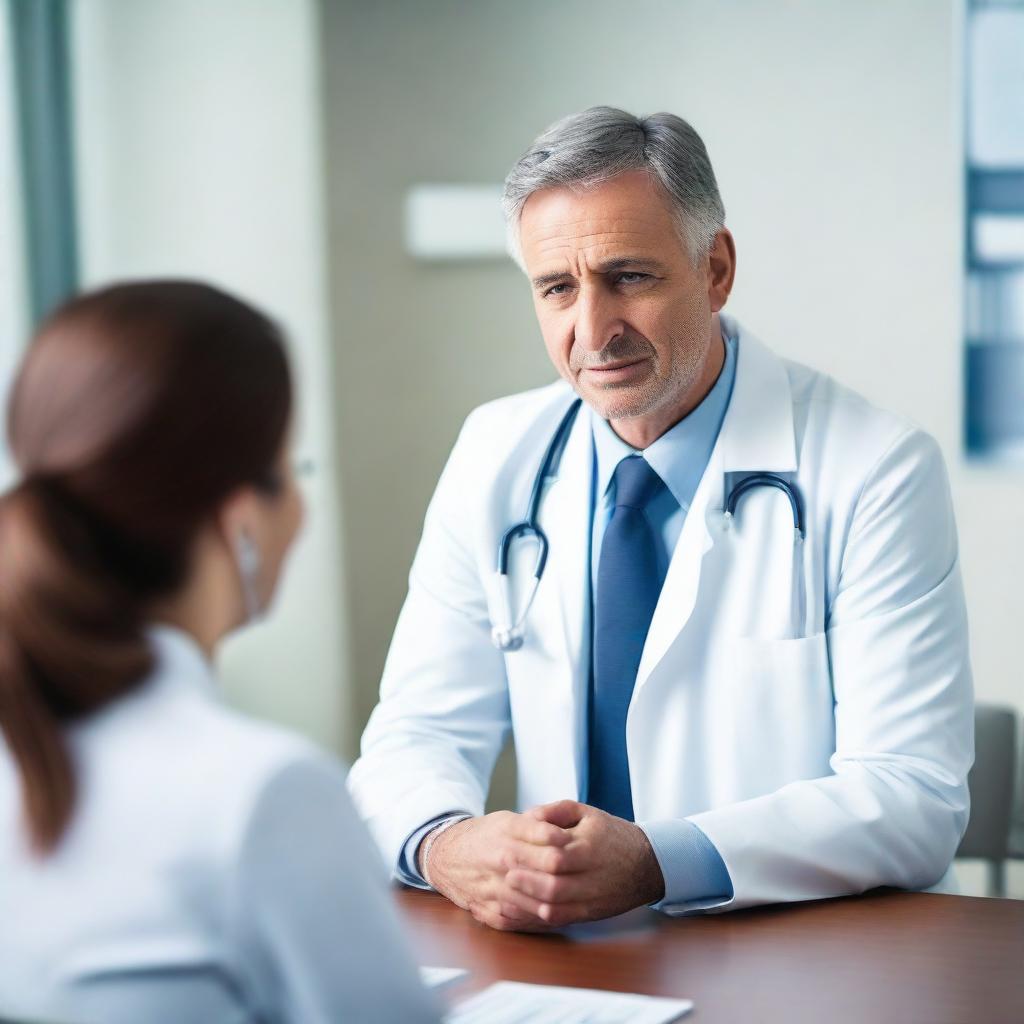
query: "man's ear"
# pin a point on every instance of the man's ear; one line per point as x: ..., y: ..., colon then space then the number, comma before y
x: 722, y: 269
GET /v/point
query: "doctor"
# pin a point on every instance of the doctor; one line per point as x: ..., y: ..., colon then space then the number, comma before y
x: 744, y: 675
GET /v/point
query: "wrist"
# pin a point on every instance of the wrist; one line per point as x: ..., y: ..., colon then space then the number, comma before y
x: 650, y: 878
x: 427, y: 849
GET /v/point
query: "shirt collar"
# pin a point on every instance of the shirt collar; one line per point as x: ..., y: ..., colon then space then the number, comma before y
x: 681, y: 454
x: 179, y: 658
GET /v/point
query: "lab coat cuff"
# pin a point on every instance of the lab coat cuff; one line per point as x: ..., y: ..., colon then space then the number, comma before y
x: 696, y: 877
x: 407, y: 872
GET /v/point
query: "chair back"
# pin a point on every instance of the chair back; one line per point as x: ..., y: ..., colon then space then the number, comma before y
x: 991, y: 783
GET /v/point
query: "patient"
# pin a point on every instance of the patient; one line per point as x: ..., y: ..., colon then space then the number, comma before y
x: 163, y: 858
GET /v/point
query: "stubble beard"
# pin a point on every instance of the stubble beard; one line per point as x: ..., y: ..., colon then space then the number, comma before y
x: 659, y: 388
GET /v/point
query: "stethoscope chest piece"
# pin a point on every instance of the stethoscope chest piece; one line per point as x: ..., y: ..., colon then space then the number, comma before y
x: 511, y: 637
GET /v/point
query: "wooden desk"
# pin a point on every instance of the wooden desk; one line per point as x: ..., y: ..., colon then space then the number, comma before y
x: 885, y: 956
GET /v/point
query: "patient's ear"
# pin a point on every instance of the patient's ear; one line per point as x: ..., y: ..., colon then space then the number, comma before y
x: 239, y: 515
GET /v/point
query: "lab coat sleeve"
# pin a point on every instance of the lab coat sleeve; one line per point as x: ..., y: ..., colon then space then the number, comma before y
x: 318, y: 935
x: 895, y: 808
x: 431, y: 743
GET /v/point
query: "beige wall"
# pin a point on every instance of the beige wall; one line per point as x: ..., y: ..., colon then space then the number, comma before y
x: 198, y: 153
x: 835, y: 131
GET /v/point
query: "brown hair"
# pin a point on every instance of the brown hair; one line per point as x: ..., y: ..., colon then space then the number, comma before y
x: 137, y: 410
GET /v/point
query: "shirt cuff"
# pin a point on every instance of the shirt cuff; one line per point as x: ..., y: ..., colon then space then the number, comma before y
x: 696, y: 877
x: 407, y: 871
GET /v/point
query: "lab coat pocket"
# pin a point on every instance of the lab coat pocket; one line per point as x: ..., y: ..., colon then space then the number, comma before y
x: 781, y: 692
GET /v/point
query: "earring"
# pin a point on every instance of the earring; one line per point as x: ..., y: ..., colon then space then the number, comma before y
x: 250, y: 564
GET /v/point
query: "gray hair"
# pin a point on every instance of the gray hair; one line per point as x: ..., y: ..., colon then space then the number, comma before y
x: 586, y: 149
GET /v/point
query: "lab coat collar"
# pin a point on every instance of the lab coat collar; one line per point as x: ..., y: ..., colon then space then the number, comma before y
x: 757, y: 435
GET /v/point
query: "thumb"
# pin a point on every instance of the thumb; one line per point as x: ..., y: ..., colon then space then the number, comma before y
x: 563, y: 813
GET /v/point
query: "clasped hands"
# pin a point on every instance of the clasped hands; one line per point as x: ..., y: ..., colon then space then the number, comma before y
x: 554, y: 865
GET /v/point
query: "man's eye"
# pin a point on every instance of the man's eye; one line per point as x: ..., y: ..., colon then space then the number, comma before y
x: 631, y: 277
x: 556, y: 289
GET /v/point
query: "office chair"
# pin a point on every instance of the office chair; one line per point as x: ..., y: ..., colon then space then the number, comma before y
x: 991, y: 783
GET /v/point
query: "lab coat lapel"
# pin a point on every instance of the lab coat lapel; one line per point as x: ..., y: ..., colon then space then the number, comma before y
x: 679, y: 592
x: 756, y: 436
x: 565, y: 517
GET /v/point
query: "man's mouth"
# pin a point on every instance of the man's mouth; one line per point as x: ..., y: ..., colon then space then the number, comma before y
x: 617, y: 371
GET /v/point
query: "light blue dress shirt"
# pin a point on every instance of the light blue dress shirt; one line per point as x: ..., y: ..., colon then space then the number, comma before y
x: 692, y: 867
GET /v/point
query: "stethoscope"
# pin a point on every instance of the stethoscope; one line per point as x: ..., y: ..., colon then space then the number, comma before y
x: 510, y: 638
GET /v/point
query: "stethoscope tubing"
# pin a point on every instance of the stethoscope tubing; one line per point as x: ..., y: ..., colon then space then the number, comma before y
x: 768, y: 480
x: 529, y: 527
x: 510, y: 638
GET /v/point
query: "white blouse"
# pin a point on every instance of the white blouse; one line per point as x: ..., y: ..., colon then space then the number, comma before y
x: 214, y: 870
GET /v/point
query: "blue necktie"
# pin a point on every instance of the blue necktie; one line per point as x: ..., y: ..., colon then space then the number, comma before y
x: 628, y: 585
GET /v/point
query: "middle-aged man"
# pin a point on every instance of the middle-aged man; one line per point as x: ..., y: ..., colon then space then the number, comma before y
x: 744, y: 677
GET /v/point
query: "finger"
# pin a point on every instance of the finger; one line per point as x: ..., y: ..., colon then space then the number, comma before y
x: 528, y: 829
x: 563, y: 813
x: 552, y: 860
x: 493, y: 915
x: 544, y: 888
x: 514, y: 910
x: 493, y: 918
x: 543, y: 916
x: 559, y: 915
x: 531, y: 926
x: 517, y: 906
x: 560, y: 860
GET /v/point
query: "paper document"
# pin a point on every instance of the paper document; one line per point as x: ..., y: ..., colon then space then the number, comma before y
x: 512, y: 1002
x: 438, y: 977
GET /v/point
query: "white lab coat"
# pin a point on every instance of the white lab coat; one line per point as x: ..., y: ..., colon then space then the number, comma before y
x: 808, y: 706
x: 214, y: 870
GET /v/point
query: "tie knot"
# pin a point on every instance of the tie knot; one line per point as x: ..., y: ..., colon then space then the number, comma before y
x: 636, y: 483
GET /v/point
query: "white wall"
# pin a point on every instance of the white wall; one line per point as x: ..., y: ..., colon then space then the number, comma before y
x: 199, y: 154
x: 834, y: 127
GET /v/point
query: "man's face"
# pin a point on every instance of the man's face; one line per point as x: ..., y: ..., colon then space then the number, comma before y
x: 626, y: 317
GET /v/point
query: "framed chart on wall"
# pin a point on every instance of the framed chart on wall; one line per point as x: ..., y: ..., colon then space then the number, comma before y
x: 994, y: 238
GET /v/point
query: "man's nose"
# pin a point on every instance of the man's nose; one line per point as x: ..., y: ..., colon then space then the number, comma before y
x: 597, y: 320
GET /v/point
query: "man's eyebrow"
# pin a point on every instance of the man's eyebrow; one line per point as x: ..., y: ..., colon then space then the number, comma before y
x: 635, y: 263
x: 545, y: 279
